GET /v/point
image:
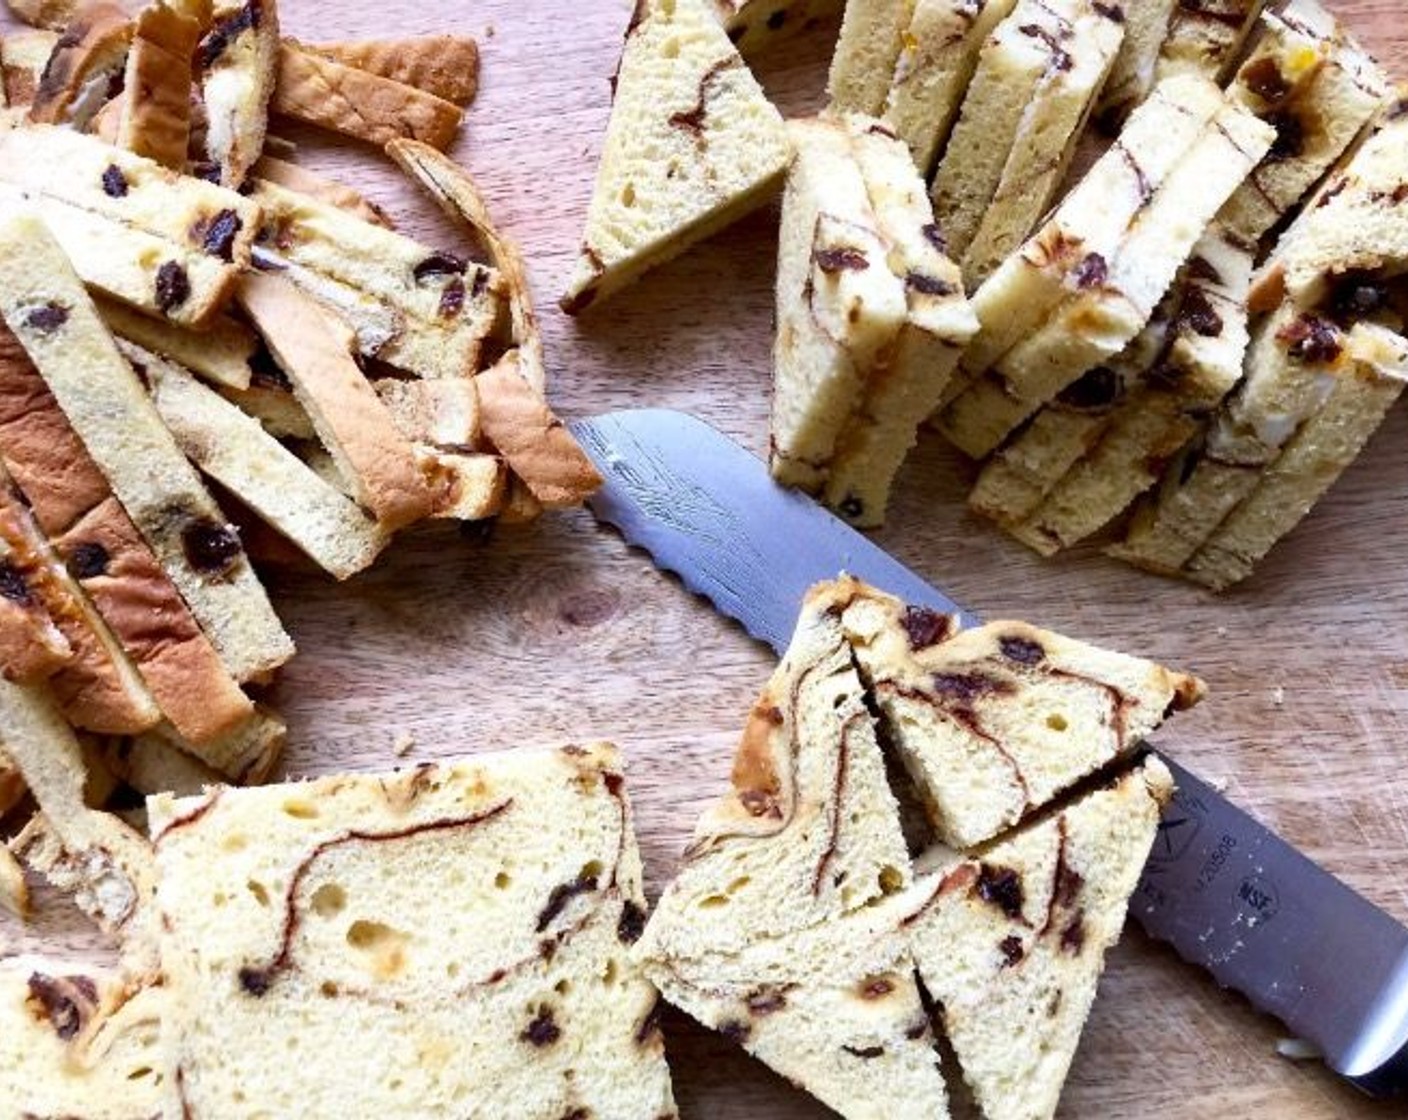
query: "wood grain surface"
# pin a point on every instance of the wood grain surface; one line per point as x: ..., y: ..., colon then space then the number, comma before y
x: 556, y: 632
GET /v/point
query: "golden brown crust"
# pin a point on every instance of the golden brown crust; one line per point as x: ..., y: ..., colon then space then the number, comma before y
x: 300, y: 179
x: 94, y: 42
x: 31, y: 646
x: 144, y: 609
x: 23, y: 56
x: 535, y: 443
x: 359, y: 104
x: 52, y: 14
x: 155, y: 113
x: 446, y: 66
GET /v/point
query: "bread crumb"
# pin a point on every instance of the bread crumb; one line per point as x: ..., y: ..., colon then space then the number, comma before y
x: 1278, y: 696
x: 489, y: 31
x: 1297, y: 1050
x: 402, y: 745
x: 1222, y: 631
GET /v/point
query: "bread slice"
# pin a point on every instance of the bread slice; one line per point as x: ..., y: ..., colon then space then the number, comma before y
x: 834, y: 1008
x: 444, y: 66
x: 1132, y: 76
x: 993, y: 723
x: 839, y: 307
x: 938, y: 56
x: 461, y: 932
x: 235, y: 450
x: 348, y: 416
x: 1355, y: 226
x: 938, y: 323
x: 1116, y: 294
x: 97, y: 686
x: 1044, y: 142
x: 1012, y: 942
x: 12, y: 789
x: 1311, y: 79
x: 78, y: 1041
x: 1365, y: 388
x: 755, y: 26
x: 87, y: 58
x: 54, y: 15
x: 534, y: 442
x: 155, y: 116
x: 237, y: 64
x: 1097, y: 214
x: 1206, y: 37
x: 319, y: 90
x: 105, y: 865
x: 458, y: 196
x: 692, y: 145
x: 23, y: 56
x: 221, y: 351
x: 420, y: 309
x: 468, y: 485
x: 442, y: 413
x: 295, y: 177
x: 1198, y: 364
x: 1289, y: 376
x: 45, y: 306
x: 32, y: 647
x: 872, y: 34
x: 779, y: 928
x: 1035, y: 84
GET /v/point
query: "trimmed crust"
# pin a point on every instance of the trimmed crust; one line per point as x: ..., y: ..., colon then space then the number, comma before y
x: 445, y: 66
x: 357, y: 103
x: 221, y: 351
x: 350, y: 420
x: 90, y: 52
x: 155, y: 113
x: 238, y: 62
x: 536, y: 444
x: 22, y: 59
x: 300, y: 179
x: 458, y: 196
x: 32, y: 647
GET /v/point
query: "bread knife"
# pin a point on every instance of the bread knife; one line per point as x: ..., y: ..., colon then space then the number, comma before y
x: 1228, y: 894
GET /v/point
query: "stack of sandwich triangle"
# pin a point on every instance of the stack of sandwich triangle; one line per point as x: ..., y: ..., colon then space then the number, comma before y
x: 797, y: 924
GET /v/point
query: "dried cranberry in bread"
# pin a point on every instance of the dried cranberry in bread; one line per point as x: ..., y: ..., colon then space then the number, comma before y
x: 458, y: 934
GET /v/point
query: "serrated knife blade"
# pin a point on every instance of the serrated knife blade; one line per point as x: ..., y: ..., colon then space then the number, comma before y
x: 1227, y: 893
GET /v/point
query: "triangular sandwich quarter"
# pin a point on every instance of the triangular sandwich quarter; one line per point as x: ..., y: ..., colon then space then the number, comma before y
x: 692, y: 145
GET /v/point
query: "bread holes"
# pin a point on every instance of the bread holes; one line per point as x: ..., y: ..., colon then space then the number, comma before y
x: 562, y: 987
x: 671, y: 49
x: 592, y: 870
x: 258, y: 890
x: 737, y: 885
x: 502, y: 881
x: 891, y: 880
x: 1057, y: 722
x: 300, y: 810
x: 383, y: 947
x: 329, y: 900
x: 628, y: 195
x: 713, y: 902
x: 609, y: 974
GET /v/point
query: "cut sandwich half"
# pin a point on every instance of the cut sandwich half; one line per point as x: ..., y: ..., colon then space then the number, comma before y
x: 993, y: 723
x: 1012, y: 941
x: 692, y: 145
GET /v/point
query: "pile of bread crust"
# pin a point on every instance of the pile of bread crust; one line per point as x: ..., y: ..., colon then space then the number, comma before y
x: 212, y: 357
x: 1073, y: 275
x: 799, y: 927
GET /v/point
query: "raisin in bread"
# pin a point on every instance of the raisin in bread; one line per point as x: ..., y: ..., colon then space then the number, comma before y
x: 839, y: 306
x: 450, y: 939
x: 1011, y: 942
x: 78, y: 1042
x: 692, y: 145
x: 994, y: 722
x: 938, y: 55
x: 908, y: 384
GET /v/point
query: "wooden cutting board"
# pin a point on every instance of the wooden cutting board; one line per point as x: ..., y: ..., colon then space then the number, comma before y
x: 556, y: 632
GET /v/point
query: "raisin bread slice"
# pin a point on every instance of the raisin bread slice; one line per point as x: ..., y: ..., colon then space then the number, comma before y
x: 1365, y: 388
x: 809, y: 830
x: 155, y: 114
x: 44, y: 304
x: 1206, y: 37
x: 1116, y: 294
x: 223, y: 350
x: 1036, y: 82
x: 454, y: 937
x: 994, y: 722
x: 839, y: 306
x: 1011, y: 942
x: 907, y: 386
x: 32, y: 647
x: 1310, y: 78
x: 87, y: 59
x: 1289, y: 376
x: 938, y: 56
x: 692, y: 145
x: 834, y: 1008
x: 237, y: 64
x: 1199, y: 363
x: 872, y: 34
x: 1132, y: 75
x: 754, y: 26
x: 78, y: 1042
